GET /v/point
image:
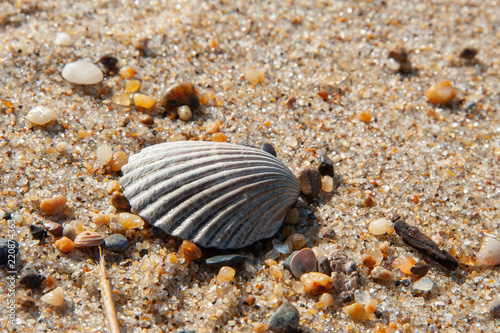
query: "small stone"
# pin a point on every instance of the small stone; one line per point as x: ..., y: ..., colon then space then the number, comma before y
x: 232, y: 260
x: 298, y: 241
x: 420, y: 268
x: 376, y: 254
x: 468, y: 53
x: 122, y: 99
x: 25, y: 300
x: 259, y: 327
x: 327, y: 184
x: 189, y: 251
x: 69, y: 231
x: 37, y: 232
x: 146, y: 119
x: 357, y: 311
x: 286, y: 263
x: 250, y: 300
x: 40, y: 115
x: 54, y: 205
x: 441, y: 93
x: 326, y: 166
x: 380, y: 273
x: 226, y: 274
x: 268, y: 148
x: 324, y: 265
x: 30, y: 278
x: 144, y: 101
x: 276, y: 272
x: 55, y: 229
x: 65, y: 245
x: 291, y: 141
x: 489, y: 253
x: 285, y: 320
x: 184, y: 113
x: 402, y: 57
x: 127, y: 72
x: 116, y: 243
x: 327, y: 232
x: 379, y: 227
x: 371, y: 305
x: 213, y: 127
x: 88, y: 239
x: 316, y: 283
x: 326, y: 299
x: 424, y: 284
x: 119, y: 201
x: 495, y: 307
x: 82, y: 72
x: 55, y: 297
x: 177, y: 137
x: 255, y: 76
x: 117, y: 228
x: 304, y: 261
x: 292, y: 216
x: 113, y: 186
x: 368, y: 201
x: 310, y: 181
x: 218, y: 137
x: 63, y: 39
x: 361, y: 296
x: 130, y: 221
x: 132, y: 86
x: 404, y: 263
x: 119, y: 159
x: 365, y: 116
x: 181, y: 94
x: 141, y: 44
x: 109, y: 62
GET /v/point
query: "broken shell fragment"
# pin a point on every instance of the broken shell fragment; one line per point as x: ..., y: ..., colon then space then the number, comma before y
x: 211, y: 193
x: 88, y: 239
x: 489, y: 254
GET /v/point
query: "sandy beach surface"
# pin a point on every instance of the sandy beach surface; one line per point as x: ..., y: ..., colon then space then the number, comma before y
x: 345, y: 79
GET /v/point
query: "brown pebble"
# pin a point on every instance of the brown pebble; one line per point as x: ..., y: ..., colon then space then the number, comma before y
x: 292, y: 216
x: 380, y: 273
x: 250, y: 300
x: 419, y: 241
x: 53, y: 228
x: 189, y: 251
x: 441, y: 93
x: 119, y: 159
x: 420, y: 268
x: 290, y: 102
x: 468, y: 53
x: 368, y: 261
x: 310, y: 181
x: 109, y: 62
x: 65, y: 245
x: 141, y: 44
x: 368, y: 201
x: 181, y: 94
x: 130, y: 234
x: 146, y: 119
x: 402, y: 57
x: 53, y: 205
x: 119, y: 201
x: 357, y: 311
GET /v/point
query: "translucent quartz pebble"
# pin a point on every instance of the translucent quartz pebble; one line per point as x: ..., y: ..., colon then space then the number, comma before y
x: 63, y: 39
x: 82, y: 72
x: 424, y: 284
x: 40, y: 115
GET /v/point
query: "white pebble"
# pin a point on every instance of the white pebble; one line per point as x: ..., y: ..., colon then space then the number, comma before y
x: 424, y: 284
x: 489, y: 254
x: 104, y: 154
x: 361, y: 296
x: 55, y: 297
x: 291, y: 141
x: 379, y: 227
x: 63, y: 39
x: 40, y: 115
x: 62, y: 146
x: 82, y: 72
x: 184, y: 112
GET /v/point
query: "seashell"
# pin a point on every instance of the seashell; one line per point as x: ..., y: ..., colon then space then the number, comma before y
x: 211, y: 193
x: 88, y: 239
x: 489, y: 254
x: 304, y: 261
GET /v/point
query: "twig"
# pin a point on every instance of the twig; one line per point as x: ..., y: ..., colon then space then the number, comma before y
x: 107, y: 299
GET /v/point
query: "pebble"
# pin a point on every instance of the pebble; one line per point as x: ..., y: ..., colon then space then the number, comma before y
x: 132, y: 86
x: 304, y: 261
x: 117, y: 228
x: 143, y: 101
x: 441, y: 93
x: 184, y: 112
x: 218, y: 137
x: 54, y: 205
x: 30, y: 278
x: 326, y: 299
x: 104, y: 153
x: 380, y: 273
x: 285, y: 320
x: 366, y: 116
x: 403, y: 263
x: 310, y: 181
x: 316, y: 283
x: 119, y: 159
x: 4, y: 250
x: 420, y: 268
x: 181, y: 94
x: 255, y: 76
x: 65, y: 245
x: 146, y: 119
x: 468, y: 53
x: 357, y: 311
x: 268, y: 148
x: 37, y: 231
x: 54, y: 297
x: 116, y: 243
x: 226, y: 274
x: 122, y: 99
x: 292, y: 216
x: 88, y: 239
x: 371, y: 305
x: 327, y: 184
x: 127, y: 72
x: 25, y: 300
x: 379, y: 227
x: 113, y: 186
x: 69, y: 231
x: 53, y: 228
x: 226, y: 260
x: 213, y: 127
x: 291, y: 141
x: 189, y: 251
x: 109, y: 62
x: 424, y: 284
x: 63, y: 39
x: 119, y: 201
x: 325, y: 167
x: 495, y: 307
x: 82, y: 72
x: 489, y: 254
x: 416, y: 239
x: 298, y: 241
x: 130, y: 221
x: 41, y: 115
x: 402, y: 57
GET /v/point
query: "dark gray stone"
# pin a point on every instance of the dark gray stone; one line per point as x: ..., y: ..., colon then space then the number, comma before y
x: 30, y: 278
x: 37, y: 231
x: 268, y: 148
x: 285, y: 320
x: 116, y: 243
x: 326, y: 166
x: 226, y: 260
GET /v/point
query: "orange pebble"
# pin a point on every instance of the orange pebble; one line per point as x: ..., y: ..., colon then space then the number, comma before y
x: 127, y: 72
x: 189, y: 251
x: 119, y: 159
x: 365, y: 117
x: 218, y: 137
x: 65, y: 245
x: 213, y: 127
x: 404, y: 263
x: 441, y: 93
x: 53, y: 205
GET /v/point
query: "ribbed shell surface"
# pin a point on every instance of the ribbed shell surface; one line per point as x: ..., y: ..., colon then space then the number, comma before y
x: 214, y: 194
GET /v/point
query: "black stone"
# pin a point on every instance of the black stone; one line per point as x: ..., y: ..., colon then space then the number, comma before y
x: 30, y: 278
x: 406, y: 282
x: 346, y: 296
x: 109, y: 62
x: 326, y: 166
x: 468, y: 53
x: 268, y: 148
x: 324, y: 265
x: 226, y: 260
x: 7, y: 247
x: 143, y: 252
x: 420, y: 268
x: 38, y: 232
x: 116, y: 243
x: 285, y: 320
